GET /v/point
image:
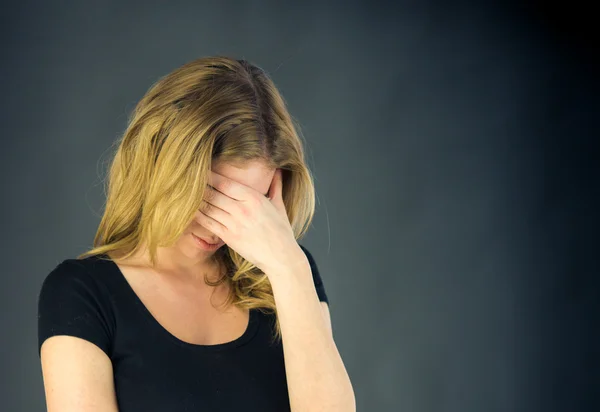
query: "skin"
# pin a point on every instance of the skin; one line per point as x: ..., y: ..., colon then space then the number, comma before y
x: 78, y: 376
x: 259, y: 230
x: 185, y: 261
x: 252, y: 223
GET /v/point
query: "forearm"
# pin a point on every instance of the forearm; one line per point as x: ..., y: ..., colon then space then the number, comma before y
x: 316, y: 376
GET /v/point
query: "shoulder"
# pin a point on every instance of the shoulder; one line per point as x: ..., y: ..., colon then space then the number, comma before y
x: 86, y: 282
x: 66, y: 272
x: 73, y: 300
x: 75, y: 278
x: 72, y: 273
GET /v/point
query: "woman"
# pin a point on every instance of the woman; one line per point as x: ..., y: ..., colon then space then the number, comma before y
x: 196, y: 295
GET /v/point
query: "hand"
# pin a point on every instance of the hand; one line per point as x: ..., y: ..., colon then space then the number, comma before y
x: 256, y: 228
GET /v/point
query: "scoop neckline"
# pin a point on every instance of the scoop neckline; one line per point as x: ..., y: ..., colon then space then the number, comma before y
x: 249, y: 333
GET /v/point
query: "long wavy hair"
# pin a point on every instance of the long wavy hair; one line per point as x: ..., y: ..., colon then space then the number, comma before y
x: 212, y: 109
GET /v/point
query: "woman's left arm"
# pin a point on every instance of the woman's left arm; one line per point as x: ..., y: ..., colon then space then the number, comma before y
x: 316, y: 376
x: 260, y: 231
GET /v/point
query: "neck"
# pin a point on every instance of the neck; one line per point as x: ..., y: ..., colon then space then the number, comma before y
x: 174, y: 263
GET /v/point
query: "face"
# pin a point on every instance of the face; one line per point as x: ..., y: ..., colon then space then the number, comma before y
x: 254, y: 174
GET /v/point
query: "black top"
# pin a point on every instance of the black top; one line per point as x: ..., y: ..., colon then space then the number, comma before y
x: 153, y: 370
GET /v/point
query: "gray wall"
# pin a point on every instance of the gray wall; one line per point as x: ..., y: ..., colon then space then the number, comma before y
x: 455, y: 172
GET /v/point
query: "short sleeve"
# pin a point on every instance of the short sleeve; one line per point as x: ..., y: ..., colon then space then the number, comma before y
x: 70, y: 302
x: 319, y: 286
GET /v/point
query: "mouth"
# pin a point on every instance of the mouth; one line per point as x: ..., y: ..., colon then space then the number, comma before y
x: 209, y: 242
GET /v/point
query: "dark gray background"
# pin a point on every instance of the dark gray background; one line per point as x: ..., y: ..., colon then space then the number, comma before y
x: 453, y: 147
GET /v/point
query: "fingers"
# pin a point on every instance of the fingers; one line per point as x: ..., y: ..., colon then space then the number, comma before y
x: 210, y: 223
x: 231, y: 188
x: 218, y: 199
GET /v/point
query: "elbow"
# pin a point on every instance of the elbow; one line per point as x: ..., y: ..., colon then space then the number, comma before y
x: 351, y: 404
x: 346, y: 403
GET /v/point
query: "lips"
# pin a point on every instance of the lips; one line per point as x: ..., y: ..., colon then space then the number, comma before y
x: 207, y: 241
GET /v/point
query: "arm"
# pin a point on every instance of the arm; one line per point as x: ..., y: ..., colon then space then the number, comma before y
x: 74, y: 339
x: 77, y: 375
x: 316, y: 376
x: 326, y: 316
x: 260, y: 231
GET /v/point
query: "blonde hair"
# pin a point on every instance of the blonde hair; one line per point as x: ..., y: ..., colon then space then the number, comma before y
x: 210, y: 109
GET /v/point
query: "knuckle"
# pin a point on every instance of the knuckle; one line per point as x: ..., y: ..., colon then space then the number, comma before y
x: 224, y: 185
x: 210, y: 194
x: 255, y: 201
x: 245, y: 211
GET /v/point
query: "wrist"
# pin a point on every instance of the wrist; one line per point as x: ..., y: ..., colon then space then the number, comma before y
x: 291, y: 262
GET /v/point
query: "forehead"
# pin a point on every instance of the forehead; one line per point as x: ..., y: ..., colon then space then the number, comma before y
x: 254, y: 174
